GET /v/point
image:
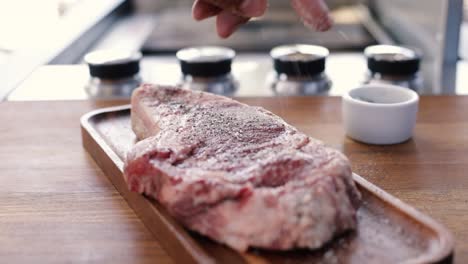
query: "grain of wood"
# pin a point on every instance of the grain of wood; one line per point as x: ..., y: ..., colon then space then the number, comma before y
x: 57, y: 207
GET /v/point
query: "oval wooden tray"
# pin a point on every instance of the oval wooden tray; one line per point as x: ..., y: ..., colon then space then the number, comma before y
x: 389, y: 231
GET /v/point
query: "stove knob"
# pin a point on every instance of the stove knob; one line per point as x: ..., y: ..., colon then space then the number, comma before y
x: 113, y: 64
x: 208, y: 68
x: 392, y: 60
x: 114, y: 73
x: 394, y: 65
x: 206, y: 61
x: 299, y: 60
x: 300, y: 70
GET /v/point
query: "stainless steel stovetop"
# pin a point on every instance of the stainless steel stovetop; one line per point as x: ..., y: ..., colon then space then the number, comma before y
x: 253, y: 71
x: 175, y: 29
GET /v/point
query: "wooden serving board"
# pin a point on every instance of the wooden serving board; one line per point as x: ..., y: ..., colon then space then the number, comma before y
x: 389, y: 231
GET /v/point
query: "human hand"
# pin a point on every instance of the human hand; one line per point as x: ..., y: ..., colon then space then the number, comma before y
x: 230, y: 14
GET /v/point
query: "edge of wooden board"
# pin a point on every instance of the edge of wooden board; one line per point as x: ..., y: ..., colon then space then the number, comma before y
x: 151, y: 212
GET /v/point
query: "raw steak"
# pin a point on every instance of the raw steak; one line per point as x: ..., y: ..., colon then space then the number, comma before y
x: 236, y: 173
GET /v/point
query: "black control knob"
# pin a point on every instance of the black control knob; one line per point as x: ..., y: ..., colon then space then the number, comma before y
x: 299, y: 60
x: 392, y: 60
x: 206, y: 61
x: 113, y: 64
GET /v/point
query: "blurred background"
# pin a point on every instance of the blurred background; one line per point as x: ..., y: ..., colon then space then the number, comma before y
x: 43, y: 43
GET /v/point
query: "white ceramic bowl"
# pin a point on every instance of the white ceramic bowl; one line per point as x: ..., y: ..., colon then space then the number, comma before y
x: 379, y: 113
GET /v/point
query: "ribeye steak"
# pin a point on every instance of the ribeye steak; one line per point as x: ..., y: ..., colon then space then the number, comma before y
x: 237, y: 173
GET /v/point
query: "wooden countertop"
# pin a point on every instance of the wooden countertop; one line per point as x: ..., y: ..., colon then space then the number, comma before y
x: 56, y: 206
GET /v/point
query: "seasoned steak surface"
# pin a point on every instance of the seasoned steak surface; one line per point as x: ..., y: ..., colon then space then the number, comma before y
x: 237, y: 173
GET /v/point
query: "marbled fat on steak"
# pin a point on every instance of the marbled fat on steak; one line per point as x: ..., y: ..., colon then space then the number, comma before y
x: 237, y: 173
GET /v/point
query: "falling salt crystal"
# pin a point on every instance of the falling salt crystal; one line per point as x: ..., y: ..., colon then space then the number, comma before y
x: 330, y: 257
x: 409, y: 240
x: 385, y: 221
x: 399, y: 229
x: 306, y: 198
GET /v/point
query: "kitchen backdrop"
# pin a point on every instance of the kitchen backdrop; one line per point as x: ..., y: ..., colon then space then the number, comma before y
x: 55, y: 68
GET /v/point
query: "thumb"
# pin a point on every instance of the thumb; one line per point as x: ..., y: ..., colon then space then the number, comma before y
x: 313, y: 13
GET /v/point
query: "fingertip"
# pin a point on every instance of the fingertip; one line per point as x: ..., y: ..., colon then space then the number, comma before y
x: 227, y: 23
x: 196, y: 10
x: 223, y: 28
x: 196, y: 14
x: 202, y: 10
x: 223, y: 33
x: 323, y: 24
